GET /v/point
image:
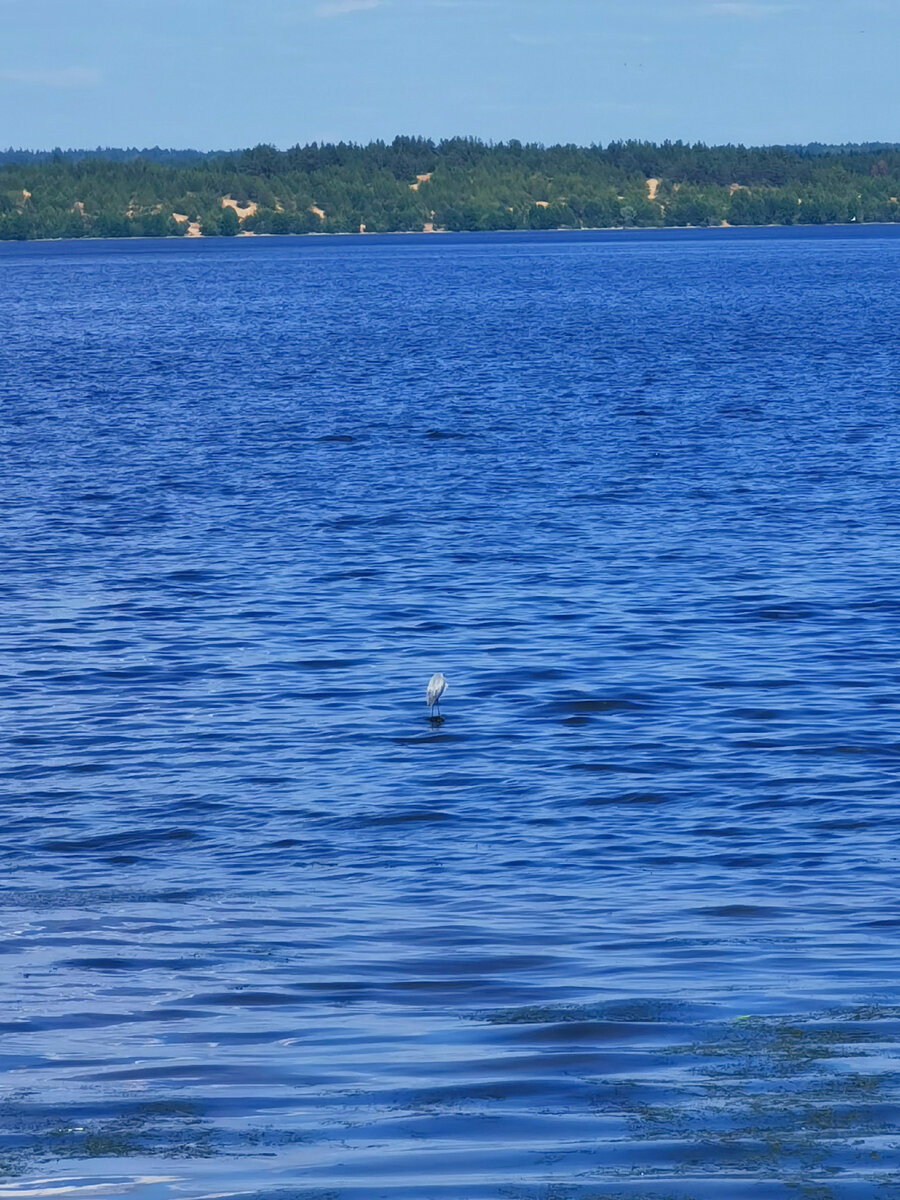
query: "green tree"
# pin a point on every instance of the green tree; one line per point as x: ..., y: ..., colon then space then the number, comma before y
x: 229, y: 223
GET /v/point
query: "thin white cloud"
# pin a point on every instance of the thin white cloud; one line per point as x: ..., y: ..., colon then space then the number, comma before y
x: 64, y: 77
x: 341, y: 8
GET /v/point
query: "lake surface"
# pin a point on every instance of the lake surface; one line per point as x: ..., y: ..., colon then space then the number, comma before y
x: 627, y: 922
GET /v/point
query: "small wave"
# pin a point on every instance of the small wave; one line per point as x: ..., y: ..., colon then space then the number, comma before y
x: 132, y: 839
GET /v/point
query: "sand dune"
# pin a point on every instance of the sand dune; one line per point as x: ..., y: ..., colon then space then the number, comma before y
x: 246, y: 210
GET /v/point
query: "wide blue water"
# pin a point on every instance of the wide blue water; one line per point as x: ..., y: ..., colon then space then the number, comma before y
x: 626, y: 923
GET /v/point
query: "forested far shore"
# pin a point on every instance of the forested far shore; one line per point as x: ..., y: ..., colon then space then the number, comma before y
x: 458, y: 184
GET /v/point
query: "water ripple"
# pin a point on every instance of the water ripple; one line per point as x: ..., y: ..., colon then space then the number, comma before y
x: 623, y: 922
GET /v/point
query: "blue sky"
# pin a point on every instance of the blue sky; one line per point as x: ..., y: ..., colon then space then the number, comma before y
x: 227, y: 73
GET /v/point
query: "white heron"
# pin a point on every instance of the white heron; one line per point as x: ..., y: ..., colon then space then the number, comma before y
x: 437, y: 685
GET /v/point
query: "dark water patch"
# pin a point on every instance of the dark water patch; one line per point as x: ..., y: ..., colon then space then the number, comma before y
x: 208, y: 1074
x: 84, y: 768
x: 137, y: 839
x: 749, y: 912
x: 79, y: 897
x: 888, y: 750
x: 588, y: 705
x: 85, y: 1019
x: 842, y: 826
x: 886, y: 604
x: 343, y: 524
x: 649, y: 1009
x: 425, y: 816
x: 718, y: 831
x: 650, y: 798
x: 135, y: 963
x: 243, y: 999
x: 601, y: 768
x: 191, y: 575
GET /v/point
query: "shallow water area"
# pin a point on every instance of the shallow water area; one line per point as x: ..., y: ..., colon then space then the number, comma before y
x: 624, y: 923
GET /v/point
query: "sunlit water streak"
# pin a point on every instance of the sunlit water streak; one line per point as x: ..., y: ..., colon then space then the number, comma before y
x: 625, y: 924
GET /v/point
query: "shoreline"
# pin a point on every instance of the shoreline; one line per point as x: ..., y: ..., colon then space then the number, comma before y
x: 250, y: 236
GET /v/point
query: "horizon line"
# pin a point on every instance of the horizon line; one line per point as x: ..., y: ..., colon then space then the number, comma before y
x: 435, y: 143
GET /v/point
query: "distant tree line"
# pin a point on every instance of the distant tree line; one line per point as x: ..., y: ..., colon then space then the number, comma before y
x: 456, y: 184
x: 110, y: 153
